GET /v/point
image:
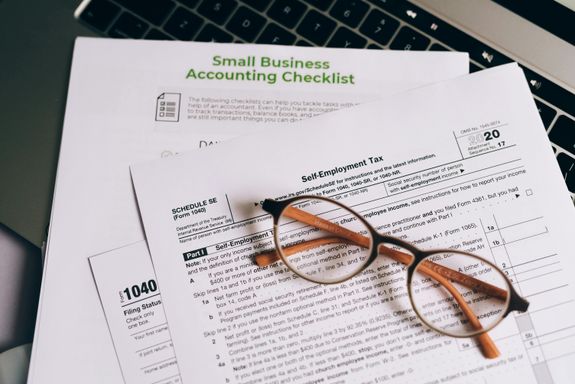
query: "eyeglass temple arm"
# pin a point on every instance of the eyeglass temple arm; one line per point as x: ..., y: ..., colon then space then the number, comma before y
x: 461, y: 278
x: 267, y: 258
x: 488, y: 347
x: 341, y: 233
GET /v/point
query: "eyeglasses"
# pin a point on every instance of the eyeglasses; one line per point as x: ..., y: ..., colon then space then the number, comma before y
x: 454, y: 292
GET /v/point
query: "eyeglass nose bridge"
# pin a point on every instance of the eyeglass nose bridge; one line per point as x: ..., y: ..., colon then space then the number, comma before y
x: 382, y: 241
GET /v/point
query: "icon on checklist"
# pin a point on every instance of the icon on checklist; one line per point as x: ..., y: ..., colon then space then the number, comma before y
x: 168, y: 107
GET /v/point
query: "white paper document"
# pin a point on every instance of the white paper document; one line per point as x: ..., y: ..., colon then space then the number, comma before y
x: 135, y: 315
x: 131, y: 101
x: 464, y: 164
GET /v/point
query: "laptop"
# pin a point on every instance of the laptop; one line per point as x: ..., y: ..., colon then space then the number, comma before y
x: 36, y: 41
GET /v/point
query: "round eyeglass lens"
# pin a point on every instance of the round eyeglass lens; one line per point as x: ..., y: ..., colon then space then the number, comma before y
x: 322, y: 241
x: 459, y: 294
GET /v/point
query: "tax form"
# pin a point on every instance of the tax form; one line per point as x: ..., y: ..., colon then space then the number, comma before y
x: 463, y: 164
x: 115, y: 117
x: 132, y: 303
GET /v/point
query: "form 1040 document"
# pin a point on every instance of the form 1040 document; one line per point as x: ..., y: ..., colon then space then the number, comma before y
x: 464, y: 164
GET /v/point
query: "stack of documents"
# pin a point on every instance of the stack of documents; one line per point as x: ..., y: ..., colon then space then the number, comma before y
x: 195, y: 308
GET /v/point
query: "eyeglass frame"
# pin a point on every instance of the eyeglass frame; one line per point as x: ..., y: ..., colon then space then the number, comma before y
x: 274, y: 207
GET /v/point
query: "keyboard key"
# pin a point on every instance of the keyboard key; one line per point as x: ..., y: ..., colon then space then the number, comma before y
x: 212, y: 33
x: 550, y: 92
x: 547, y: 113
x: 462, y: 42
x: 154, y: 34
x: 183, y: 24
x: 189, y: 3
x: 246, y: 24
x: 409, y: 40
x: 379, y: 27
x: 345, y: 38
x: 419, y: 18
x: 563, y: 134
x: 439, y: 48
x: 487, y: 56
x: 374, y: 46
x: 388, y: 5
x: 99, y: 14
x: 349, y: 12
x: 303, y: 43
x: 217, y: 11
x: 321, y: 4
x: 316, y: 27
x: 479, y: 52
x: 274, y: 34
x: 129, y: 26
x: 474, y: 68
x: 260, y: 5
x: 287, y: 12
x: 448, y: 34
x: 155, y: 11
x: 567, y: 165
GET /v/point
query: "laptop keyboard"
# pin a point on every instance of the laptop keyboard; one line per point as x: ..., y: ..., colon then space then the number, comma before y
x: 372, y: 24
